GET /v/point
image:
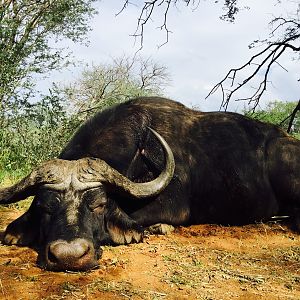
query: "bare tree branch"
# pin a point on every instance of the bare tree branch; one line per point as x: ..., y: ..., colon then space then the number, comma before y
x: 107, y: 84
x: 151, y: 7
x: 292, y: 117
x: 264, y: 59
x: 284, y: 36
x: 126, y: 3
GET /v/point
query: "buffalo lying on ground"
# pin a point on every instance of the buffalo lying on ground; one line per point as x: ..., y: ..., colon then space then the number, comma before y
x: 116, y: 177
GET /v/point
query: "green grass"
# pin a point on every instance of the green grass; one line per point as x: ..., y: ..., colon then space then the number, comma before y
x: 8, y: 179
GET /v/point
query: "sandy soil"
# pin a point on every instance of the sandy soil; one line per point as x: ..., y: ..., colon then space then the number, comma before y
x: 199, y: 262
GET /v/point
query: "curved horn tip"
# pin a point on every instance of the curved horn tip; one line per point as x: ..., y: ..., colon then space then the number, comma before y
x: 104, y: 173
x: 156, y: 186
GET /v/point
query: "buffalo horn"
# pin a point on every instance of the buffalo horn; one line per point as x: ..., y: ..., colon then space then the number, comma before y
x: 107, y: 174
x: 58, y: 174
x: 27, y: 186
x: 18, y: 191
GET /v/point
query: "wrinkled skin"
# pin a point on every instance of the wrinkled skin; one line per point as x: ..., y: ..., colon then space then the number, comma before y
x: 230, y: 170
x: 70, y: 226
x: 65, y: 229
x: 72, y: 215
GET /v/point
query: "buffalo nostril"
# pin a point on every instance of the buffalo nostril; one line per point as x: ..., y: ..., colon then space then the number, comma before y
x: 63, y: 252
x: 76, y: 255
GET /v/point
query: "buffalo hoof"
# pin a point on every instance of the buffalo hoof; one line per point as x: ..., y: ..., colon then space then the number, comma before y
x: 160, y: 229
x: 122, y: 236
x: 19, y: 239
x: 10, y: 239
x: 14, y: 235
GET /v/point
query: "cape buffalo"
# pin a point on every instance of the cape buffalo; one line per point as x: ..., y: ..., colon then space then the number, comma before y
x: 117, y: 177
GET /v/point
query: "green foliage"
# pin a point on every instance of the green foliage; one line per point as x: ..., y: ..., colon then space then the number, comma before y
x: 277, y: 113
x: 37, y: 132
x: 107, y: 84
x: 34, y: 134
x: 26, y: 29
x: 30, y: 132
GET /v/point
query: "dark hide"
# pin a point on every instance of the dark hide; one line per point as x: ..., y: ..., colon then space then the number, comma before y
x: 229, y: 170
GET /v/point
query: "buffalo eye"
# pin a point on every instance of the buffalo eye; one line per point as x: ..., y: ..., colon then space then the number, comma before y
x: 96, y: 200
x: 97, y: 207
x: 48, y: 201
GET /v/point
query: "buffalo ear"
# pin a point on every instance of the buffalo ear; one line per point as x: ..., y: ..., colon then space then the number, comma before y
x: 19, y: 191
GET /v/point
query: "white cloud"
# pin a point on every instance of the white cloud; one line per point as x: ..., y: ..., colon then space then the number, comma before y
x: 201, y: 49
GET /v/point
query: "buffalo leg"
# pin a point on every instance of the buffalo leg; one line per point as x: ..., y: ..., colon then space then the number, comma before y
x: 121, y: 228
x: 284, y: 169
x: 23, y: 231
x: 170, y: 207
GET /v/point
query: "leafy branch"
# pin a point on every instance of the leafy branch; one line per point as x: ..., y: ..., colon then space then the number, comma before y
x: 26, y: 28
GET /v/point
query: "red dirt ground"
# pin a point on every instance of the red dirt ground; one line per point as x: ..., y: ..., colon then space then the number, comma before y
x: 199, y: 262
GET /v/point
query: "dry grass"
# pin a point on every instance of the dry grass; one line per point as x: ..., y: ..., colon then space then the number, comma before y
x: 200, y: 262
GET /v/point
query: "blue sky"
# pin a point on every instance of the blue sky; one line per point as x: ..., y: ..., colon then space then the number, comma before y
x: 201, y: 48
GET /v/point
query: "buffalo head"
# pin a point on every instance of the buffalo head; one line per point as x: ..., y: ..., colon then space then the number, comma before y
x: 72, y: 215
